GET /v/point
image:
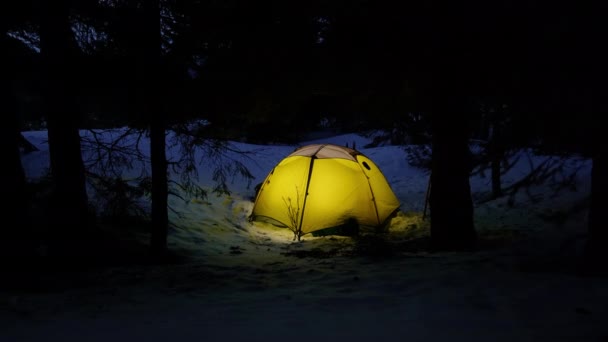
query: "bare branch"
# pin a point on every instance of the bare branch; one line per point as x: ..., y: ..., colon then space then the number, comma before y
x: 293, y: 212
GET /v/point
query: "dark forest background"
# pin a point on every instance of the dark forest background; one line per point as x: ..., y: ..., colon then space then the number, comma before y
x: 510, y: 74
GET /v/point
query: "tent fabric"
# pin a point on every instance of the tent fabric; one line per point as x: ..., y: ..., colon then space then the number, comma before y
x: 323, y: 186
x: 326, y: 151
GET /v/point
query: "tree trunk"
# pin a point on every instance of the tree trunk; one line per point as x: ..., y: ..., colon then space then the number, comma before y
x: 151, y: 54
x: 496, y: 183
x: 160, y: 215
x: 594, y: 73
x: 597, y: 246
x: 69, y: 203
x: 452, y: 81
x: 16, y: 206
x: 496, y: 155
x: 15, y: 210
x: 452, y: 225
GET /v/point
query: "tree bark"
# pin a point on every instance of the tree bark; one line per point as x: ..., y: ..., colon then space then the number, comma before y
x: 496, y: 182
x: 454, y: 78
x: 69, y: 204
x: 452, y: 226
x: 592, y: 83
x: 15, y: 210
x: 496, y: 155
x: 151, y: 54
x: 160, y: 215
x: 597, y: 245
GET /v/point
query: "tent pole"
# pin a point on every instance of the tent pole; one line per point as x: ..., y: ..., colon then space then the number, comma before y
x: 312, y: 162
x: 371, y: 190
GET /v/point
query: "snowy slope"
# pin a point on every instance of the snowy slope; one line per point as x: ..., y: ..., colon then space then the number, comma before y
x: 250, y: 282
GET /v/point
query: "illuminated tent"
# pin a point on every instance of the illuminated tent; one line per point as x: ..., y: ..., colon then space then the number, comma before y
x: 323, y: 186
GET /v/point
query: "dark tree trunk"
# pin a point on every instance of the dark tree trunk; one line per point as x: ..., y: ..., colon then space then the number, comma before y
x: 594, y: 74
x: 16, y: 206
x: 151, y: 50
x: 16, y: 240
x: 69, y: 203
x: 160, y: 218
x: 15, y: 210
x: 453, y: 80
x: 452, y: 225
x: 597, y: 246
x: 496, y: 156
x: 496, y: 183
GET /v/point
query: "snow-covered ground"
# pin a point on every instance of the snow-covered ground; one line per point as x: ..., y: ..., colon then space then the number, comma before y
x: 247, y: 281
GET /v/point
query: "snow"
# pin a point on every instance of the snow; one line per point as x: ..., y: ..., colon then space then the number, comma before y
x: 247, y: 281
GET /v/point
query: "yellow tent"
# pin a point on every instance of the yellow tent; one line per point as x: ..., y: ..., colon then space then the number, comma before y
x: 324, y: 186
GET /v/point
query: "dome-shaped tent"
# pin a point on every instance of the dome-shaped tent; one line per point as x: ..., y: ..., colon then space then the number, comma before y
x: 323, y: 186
